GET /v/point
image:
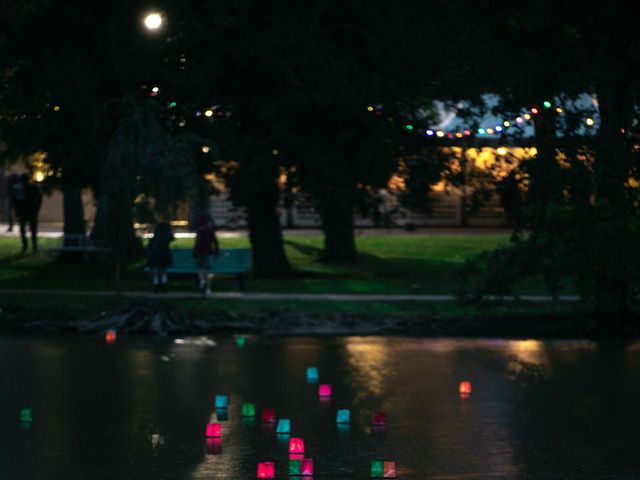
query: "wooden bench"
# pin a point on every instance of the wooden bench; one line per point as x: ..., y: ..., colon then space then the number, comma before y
x: 232, y: 261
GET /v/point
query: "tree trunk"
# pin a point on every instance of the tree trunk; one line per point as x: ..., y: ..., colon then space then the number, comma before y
x: 74, y: 225
x: 338, y: 226
x: 269, y: 258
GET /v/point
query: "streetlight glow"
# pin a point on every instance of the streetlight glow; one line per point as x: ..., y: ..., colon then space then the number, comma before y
x: 153, y: 21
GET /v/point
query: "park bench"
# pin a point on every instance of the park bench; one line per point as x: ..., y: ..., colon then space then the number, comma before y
x: 76, y: 243
x: 229, y: 261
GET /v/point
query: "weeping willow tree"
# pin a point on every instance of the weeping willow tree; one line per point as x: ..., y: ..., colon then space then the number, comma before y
x: 146, y: 173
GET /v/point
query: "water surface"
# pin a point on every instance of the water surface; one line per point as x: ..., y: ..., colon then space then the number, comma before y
x: 543, y: 410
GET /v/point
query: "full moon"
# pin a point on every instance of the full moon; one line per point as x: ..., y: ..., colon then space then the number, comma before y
x: 153, y: 21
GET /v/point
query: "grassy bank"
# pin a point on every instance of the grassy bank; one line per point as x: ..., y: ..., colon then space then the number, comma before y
x: 386, y: 264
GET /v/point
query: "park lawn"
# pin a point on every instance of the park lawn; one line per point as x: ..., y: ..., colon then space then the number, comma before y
x: 386, y: 264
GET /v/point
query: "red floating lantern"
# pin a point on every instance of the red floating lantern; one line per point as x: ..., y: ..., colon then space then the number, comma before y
x: 307, y: 467
x: 266, y: 470
x: 214, y: 430
x: 465, y: 388
x: 389, y: 470
x: 268, y: 415
x: 296, y: 456
x: 324, y: 390
x: 110, y: 336
x: 296, y: 445
x: 379, y: 419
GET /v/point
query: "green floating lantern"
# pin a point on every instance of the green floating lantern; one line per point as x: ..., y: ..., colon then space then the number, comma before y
x: 241, y: 340
x: 377, y: 469
x: 25, y: 415
x: 248, y: 410
x: 295, y: 467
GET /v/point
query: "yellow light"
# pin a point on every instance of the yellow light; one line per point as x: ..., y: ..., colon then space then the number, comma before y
x: 370, y: 108
x: 208, y: 113
x: 205, y: 149
x: 459, y: 135
x: 533, y: 151
x: 440, y: 133
x: 39, y: 176
x: 56, y: 108
x: 507, y: 124
x: 153, y: 21
x: 590, y: 122
x: 490, y: 131
x: 559, y: 110
x: 527, y: 116
x: 633, y: 183
x: 275, y: 151
x: 502, y: 151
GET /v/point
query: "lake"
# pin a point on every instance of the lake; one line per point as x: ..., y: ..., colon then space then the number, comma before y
x: 137, y: 408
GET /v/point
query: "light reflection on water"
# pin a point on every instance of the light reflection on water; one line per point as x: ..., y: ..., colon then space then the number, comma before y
x: 538, y: 409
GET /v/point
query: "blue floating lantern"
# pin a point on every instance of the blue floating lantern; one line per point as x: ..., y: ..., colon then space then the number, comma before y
x: 312, y: 374
x: 284, y: 426
x: 222, y: 401
x: 343, y: 416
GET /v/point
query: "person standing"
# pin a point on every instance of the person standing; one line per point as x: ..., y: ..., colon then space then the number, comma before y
x: 159, y: 255
x: 27, y: 199
x: 12, y: 179
x: 205, y: 249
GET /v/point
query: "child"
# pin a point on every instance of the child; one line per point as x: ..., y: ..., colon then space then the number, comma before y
x: 159, y: 255
x: 204, y: 250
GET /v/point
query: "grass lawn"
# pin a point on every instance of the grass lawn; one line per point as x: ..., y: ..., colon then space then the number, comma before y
x: 387, y: 264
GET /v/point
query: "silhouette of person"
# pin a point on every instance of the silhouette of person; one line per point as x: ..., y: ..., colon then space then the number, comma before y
x: 27, y: 199
x: 205, y: 249
x: 159, y: 255
x: 12, y: 179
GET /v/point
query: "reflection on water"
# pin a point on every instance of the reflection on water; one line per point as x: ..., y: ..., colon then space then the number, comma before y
x: 137, y: 409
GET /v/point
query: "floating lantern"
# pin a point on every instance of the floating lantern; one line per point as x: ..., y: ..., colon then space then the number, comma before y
x: 295, y: 467
x: 465, y: 388
x: 312, y: 374
x: 377, y: 469
x: 214, y: 430
x: 296, y: 445
x: 25, y: 415
x: 110, y: 336
x: 248, y: 410
x: 284, y: 426
x: 214, y: 446
x: 268, y: 415
x: 222, y: 401
x: 324, y: 390
x: 389, y: 470
x: 343, y: 416
x: 379, y: 419
x: 241, y: 340
x: 266, y: 470
x: 307, y: 467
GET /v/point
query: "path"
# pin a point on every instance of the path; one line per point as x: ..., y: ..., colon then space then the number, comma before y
x: 318, y: 297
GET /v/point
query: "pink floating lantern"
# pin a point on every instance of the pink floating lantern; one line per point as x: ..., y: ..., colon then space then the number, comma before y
x: 379, y: 419
x: 465, y: 389
x: 389, y: 470
x: 110, y: 336
x: 296, y: 456
x: 324, y: 390
x: 214, y: 430
x: 266, y: 470
x: 268, y: 415
x: 307, y: 467
x: 296, y: 445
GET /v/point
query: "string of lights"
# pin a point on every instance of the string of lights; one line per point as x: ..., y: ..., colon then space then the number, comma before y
x: 496, y: 129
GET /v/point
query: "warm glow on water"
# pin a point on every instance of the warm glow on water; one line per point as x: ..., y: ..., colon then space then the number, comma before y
x: 138, y: 408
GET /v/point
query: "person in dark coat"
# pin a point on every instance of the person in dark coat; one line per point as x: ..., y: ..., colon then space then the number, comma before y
x: 159, y: 255
x: 27, y: 199
x: 205, y: 249
x: 12, y: 179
